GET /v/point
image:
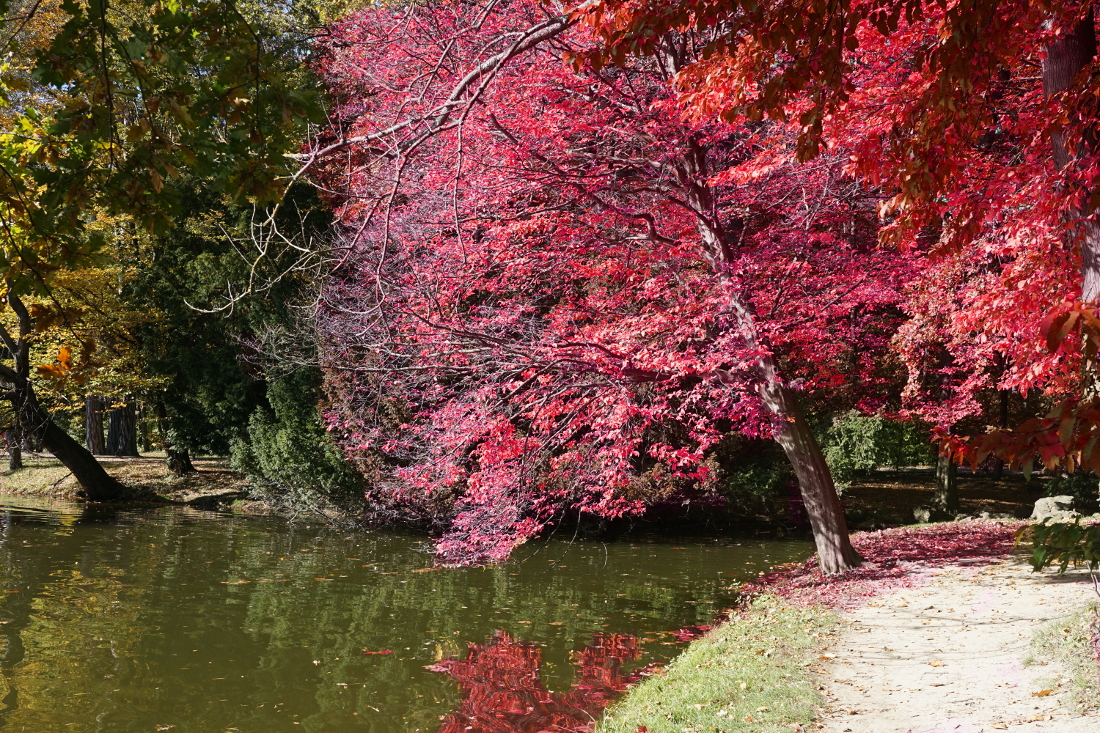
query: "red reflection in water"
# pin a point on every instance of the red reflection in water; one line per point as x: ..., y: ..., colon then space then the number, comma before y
x: 502, y: 690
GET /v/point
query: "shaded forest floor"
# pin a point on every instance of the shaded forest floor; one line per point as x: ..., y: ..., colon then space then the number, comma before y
x: 212, y: 484
x: 888, y: 497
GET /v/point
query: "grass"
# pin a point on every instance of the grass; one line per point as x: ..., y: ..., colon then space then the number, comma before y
x: 1069, y: 642
x: 752, y: 673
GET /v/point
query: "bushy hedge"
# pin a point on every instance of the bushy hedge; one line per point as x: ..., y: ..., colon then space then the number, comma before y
x: 290, y: 456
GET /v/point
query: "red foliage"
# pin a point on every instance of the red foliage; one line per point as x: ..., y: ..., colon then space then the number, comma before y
x: 895, y: 558
x: 502, y: 689
x: 552, y: 283
x: 984, y: 151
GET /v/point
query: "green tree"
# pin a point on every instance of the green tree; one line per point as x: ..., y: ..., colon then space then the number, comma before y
x: 122, y: 99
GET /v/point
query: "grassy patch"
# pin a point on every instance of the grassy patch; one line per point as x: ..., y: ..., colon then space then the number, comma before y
x: 1068, y: 642
x: 750, y: 674
x: 147, y: 475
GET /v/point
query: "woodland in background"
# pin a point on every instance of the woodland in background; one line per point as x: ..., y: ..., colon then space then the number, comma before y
x: 488, y: 268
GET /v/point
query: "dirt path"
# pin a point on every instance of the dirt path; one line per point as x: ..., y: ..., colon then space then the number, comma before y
x: 948, y: 656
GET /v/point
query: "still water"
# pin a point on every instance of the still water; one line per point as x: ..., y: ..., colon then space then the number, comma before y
x: 175, y: 619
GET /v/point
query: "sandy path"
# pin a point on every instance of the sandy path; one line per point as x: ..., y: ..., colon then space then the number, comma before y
x: 948, y: 655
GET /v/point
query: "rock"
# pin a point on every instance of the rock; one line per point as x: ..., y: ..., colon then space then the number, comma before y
x: 926, y: 513
x: 1055, y: 509
x: 995, y: 515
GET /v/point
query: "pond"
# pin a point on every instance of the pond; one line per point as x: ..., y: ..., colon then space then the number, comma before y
x: 121, y: 620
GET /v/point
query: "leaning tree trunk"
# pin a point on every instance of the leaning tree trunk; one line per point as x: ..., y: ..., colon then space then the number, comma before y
x: 834, y: 548
x: 1064, y: 59
x: 789, y: 427
x: 98, y: 485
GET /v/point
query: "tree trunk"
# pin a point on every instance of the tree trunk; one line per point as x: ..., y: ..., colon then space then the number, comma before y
x: 15, y: 448
x: 98, y: 485
x: 789, y: 427
x: 178, y: 461
x: 823, y: 508
x: 122, y: 431
x: 1065, y: 58
x: 946, y: 499
x: 93, y: 425
x: 999, y: 464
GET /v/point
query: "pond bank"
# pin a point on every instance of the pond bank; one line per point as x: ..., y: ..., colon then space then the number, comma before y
x: 213, y: 485
x: 833, y: 681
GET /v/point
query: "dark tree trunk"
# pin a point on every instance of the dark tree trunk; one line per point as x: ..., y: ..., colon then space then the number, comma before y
x: 946, y: 498
x: 122, y: 431
x: 1065, y: 58
x: 15, y: 448
x: 93, y: 425
x: 178, y: 461
x: 999, y: 464
x: 98, y: 485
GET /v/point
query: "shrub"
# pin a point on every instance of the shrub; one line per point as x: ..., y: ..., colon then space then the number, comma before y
x: 856, y: 443
x: 290, y: 456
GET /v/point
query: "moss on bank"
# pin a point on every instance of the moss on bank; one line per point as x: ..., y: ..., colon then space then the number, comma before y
x: 752, y: 673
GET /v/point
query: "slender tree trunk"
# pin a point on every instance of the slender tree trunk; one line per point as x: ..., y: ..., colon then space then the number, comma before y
x: 93, y: 424
x: 789, y: 427
x: 1065, y: 58
x: 15, y: 448
x: 946, y: 498
x: 999, y: 464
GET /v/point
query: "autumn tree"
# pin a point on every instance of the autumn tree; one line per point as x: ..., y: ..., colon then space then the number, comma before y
x: 554, y: 286
x: 147, y: 89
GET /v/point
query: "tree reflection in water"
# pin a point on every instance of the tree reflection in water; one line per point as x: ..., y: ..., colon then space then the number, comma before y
x: 502, y: 689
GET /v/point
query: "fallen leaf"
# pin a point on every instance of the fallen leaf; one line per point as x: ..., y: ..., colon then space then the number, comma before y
x: 381, y: 651
x: 1041, y: 693
x: 936, y: 663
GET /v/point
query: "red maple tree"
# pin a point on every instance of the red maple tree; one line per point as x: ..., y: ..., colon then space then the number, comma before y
x: 554, y: 285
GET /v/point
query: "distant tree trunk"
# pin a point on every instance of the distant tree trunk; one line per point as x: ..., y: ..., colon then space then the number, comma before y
x: 93, y: 425
x: 178, y: 461
x: 999, y: 464
x: 122, y: 431
x: 946, y: 498
x: 15, y: 447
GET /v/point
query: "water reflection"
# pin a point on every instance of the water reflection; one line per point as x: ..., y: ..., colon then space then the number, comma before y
x: 503, y: 692
x: 168, y: 618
